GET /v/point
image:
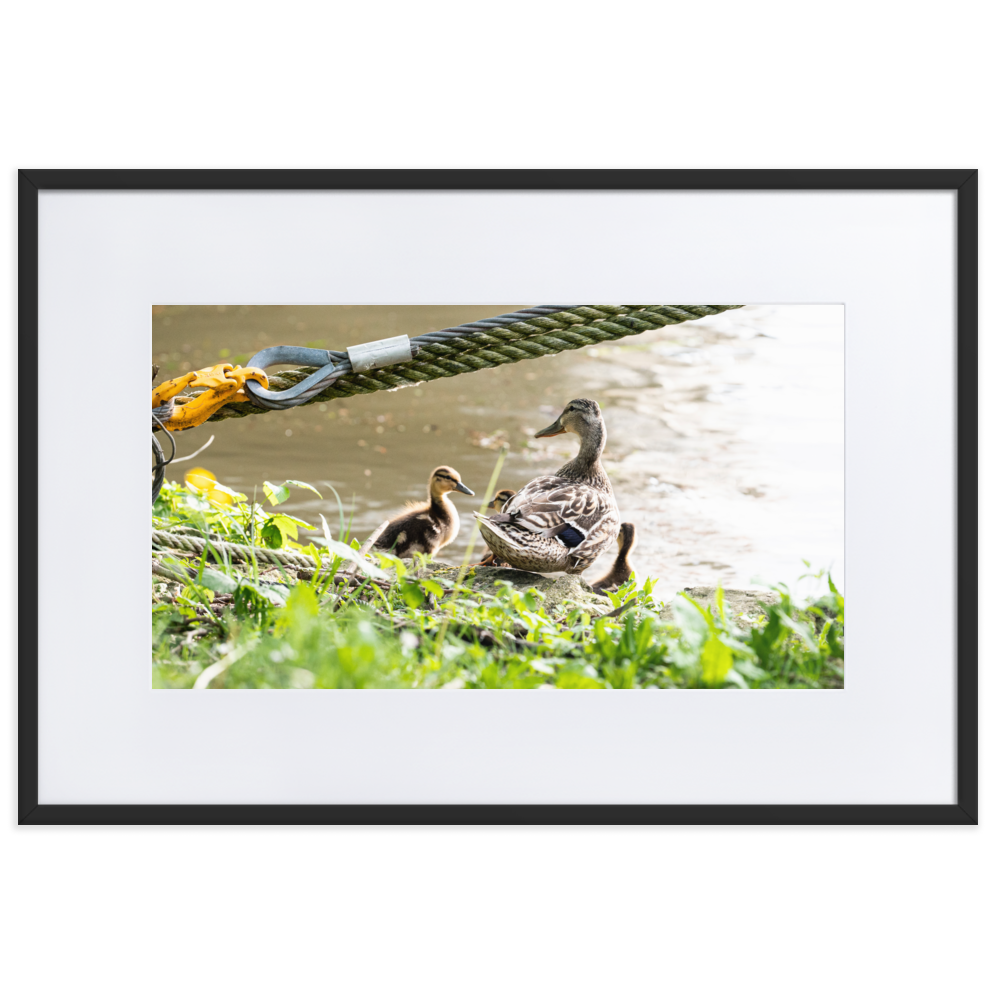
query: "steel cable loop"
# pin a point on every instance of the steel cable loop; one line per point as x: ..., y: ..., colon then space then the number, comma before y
x: 160, y: 462
x: 159, y: 468
x: 320, y: 379
x: 488, y: 343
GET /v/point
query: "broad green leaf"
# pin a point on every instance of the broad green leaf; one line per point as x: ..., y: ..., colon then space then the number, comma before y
x: 291, y: 521
x: 289, y: 530
x: 276, y: 593
x: 532, y: 599
x: 303, y: 486
x: 411, y: 594
x: 716, y: 662
x: 270, y: 536
x: 218, y: 581
x: 276, y: 494
x: 432, y: 587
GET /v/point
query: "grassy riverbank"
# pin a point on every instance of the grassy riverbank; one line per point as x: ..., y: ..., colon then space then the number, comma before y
x: 360, y: 622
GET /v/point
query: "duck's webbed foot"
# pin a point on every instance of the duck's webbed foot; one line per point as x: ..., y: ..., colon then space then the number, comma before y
x: 490, y: 559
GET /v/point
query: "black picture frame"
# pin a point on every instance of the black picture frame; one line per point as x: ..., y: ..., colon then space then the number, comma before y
x: 963, y: 182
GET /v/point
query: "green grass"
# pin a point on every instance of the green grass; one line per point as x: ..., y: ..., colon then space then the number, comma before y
x: 238, y: 626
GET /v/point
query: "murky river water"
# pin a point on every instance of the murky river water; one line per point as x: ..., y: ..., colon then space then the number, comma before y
x: 725, y: 435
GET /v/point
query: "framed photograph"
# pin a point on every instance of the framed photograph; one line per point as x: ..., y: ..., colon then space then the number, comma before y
x: 431, y: 542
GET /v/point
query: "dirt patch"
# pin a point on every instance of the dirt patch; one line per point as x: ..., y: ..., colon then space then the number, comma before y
x: 554, y: 589
x: 741, y: 602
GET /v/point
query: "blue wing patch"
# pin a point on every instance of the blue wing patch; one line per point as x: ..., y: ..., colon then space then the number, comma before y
x: 570, y: 537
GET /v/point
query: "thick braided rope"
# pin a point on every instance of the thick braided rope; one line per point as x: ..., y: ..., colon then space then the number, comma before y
x: 468, y: 349
x: 196, y: 545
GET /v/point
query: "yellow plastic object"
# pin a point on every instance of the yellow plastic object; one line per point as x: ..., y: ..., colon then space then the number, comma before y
x: 223, y: 383
x: 202, y: 479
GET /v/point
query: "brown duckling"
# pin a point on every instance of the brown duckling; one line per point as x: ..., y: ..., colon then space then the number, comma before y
x: 497, y: 504
x: 426, y: 527
x: 621, y: 570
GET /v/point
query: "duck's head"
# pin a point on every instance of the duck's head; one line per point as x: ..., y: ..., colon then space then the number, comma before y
x: 626, y: 537
x: 580, y: 416
x: 500, y: 499
x: 444, y: 479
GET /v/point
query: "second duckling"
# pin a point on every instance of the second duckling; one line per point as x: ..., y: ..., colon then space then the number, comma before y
x: 497, y: 504
x: 428, y: 526
x: 621, y: 570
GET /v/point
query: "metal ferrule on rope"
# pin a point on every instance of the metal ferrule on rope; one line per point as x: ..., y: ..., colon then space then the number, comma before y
x: 397, y: 362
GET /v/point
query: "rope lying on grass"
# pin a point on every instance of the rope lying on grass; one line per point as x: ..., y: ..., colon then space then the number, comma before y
x: 502, y: 340
x: 244, y: 553
x: 196, y: 545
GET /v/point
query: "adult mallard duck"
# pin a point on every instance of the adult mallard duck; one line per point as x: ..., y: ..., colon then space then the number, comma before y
x: 427, y: 526
x: 497, y: 504
x: 561, y: 522
x: 621, y: 570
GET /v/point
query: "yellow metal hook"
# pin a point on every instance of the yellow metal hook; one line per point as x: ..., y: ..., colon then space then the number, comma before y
x: 223, y: 382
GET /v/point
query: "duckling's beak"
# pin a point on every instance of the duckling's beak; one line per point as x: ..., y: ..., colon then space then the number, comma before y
x: 552, y: 430
x: 462, y: 488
